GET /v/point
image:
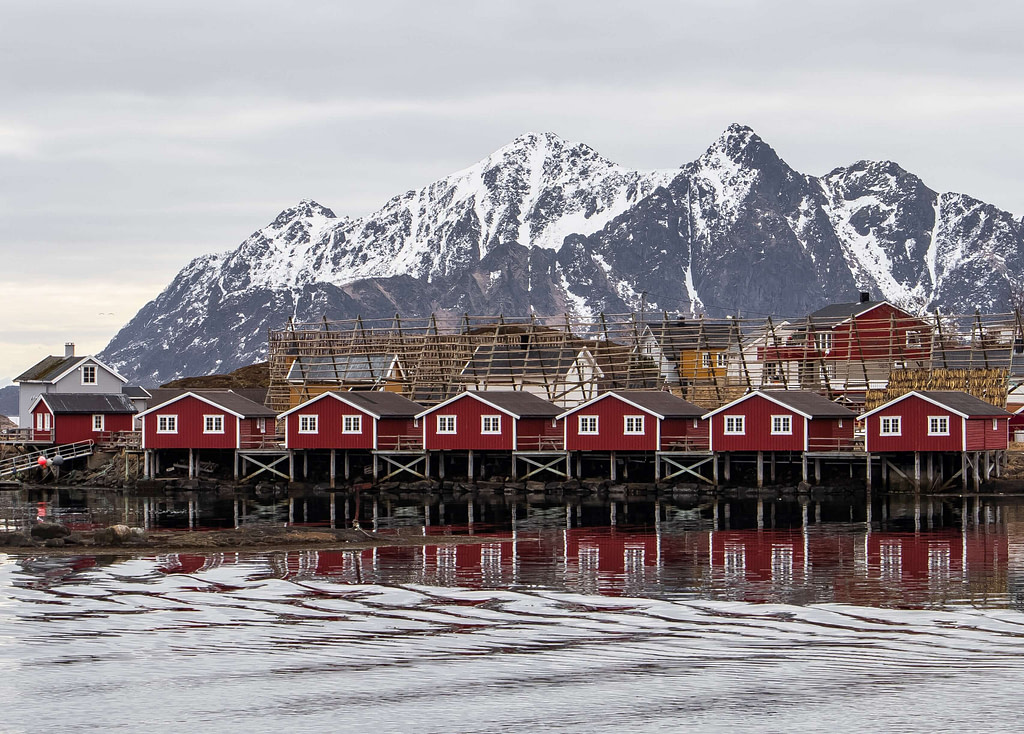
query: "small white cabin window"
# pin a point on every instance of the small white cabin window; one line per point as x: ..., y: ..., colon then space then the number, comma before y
x: 446, y: 424
x: 167, y: 424
x: 490, y: 424
x: 782, y: 425
x: 352, y: 424
x: 634, y: 425
x: 938, y: 425
x: 721, y: 360
x: 995, y: 424
x: 705, y: 360
x: 97, y: 422
x: 213, y: 424
x: 891, y: 426
x: 309, y: 424
x: 89, y: 374
x: 735, y: 425
x: 588, y: 425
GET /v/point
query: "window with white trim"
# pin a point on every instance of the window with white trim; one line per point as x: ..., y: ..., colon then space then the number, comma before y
x: 995, y: 424
x: 42, y: 421
x: 490, y: 424
x: 167, y: 424
x: 89, y: 374
x: 721, y: 360
x: 97, y: 422
x: 47, y: 421
x: 891, y: 426
x: 446, y: 424
x: 352, y: 424
x: 915, y: 339
x: 309, y: 424
x: 705, y: 360
x: 735, y: 425
x: 634, y: 425
x: 938, y: 425
x: 824, y: 341
x: 588, y: 425
x: 213, y: 424
x: 782, y: 425
x: 261, y: 425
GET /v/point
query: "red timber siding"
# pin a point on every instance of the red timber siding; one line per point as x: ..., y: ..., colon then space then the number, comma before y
x: 467, y: 411
x: 536, y: 434
x: 399, y: 434
x: 758, y: 437
x: 40, y: 435
x: 611, y: 413
x: 331, y: 414
x: 251, y: 435
x: 75, y: 427
x: 914, y: 413
x: 981, y: 436
x: 680, y: 434
x: 190, y: 412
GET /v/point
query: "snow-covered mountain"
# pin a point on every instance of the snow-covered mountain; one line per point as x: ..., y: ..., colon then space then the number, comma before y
x: 548, y: 226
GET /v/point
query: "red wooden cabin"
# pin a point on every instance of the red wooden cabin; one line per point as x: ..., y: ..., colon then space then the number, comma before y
x: 71, y: 417
x: 635, y: 420
x: 781, y: 420
x: 936, y: 421
x: 493, y: 420
x: 207, y: 419
x: 354, y: 420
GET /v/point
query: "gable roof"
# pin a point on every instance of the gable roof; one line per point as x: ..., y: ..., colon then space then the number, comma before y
x: 803, y: 402
x: 59, y: 403
x: 658, y: 403
x: 496, y: 361
x: 516, y: 403
x: 51, y: 369
x: 226, y: 400
x: 963, y: 404
x: 376, y: 403
x: 692, y: 335
x: 135, y: 392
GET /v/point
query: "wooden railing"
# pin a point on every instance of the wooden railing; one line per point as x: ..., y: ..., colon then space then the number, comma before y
x: 404, y: 442
x: 30, y: 460
x: 24, y: 435
x: 540, y: 443
x: 835, y: 444
x: 685, y: 443
x: 120, y: 439
x: 266, y: 441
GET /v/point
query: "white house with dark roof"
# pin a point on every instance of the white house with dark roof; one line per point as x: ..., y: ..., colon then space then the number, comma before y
x: 68, y: 374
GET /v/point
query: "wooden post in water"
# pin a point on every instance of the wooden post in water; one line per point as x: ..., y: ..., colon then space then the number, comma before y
x: 817, y: 471
x: 803, y: 467
x: 472, y: 475
x: 963, y: 471
x: 728, y: 467
x: 236, y: 465
x: 611, y: 466
x: 976, y: 471
x: 867, y: 473
x: 714, y: 469
x: 917, y: 471
x: 333, y: 474
x: 305, y: 464
x: 772, y: 465
x: 760, y: 514
x: 334, y: 513
x: 760, y: 469
x: 291, y: 465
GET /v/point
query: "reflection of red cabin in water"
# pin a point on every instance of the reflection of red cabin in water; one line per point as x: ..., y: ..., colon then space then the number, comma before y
x: 936, y: 420
x: 781, y: 420
x: 493, y: 420
x: 71, y: 417
x: 354, y: 420
x: 635, y: 420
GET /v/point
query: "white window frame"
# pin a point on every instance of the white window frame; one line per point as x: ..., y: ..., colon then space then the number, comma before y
x: 635, y: 430
x: 486, y: 426
x: 940, y: 427
x: 995, y: 424
x: 215, y: 418
x: 43, y: 421
x: 89, y: 369
x: 722, y: 360
x: 782, y: 425
x: 102, y: 422
x: 170, y: 423
x: 823, y: 341
x: 443, y: 428
x: 309, y: 424
x: 584, y: 429
x: 895, y: 425
x: 739, y: 427
x: 705, y: 360
x: 915, y: 339
x: 352, y: 424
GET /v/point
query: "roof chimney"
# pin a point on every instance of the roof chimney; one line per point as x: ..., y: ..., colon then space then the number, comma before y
x: 69, y: 350
x: 865, y: 296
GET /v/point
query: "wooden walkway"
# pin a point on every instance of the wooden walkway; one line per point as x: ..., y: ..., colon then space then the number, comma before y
x: 23, y: 462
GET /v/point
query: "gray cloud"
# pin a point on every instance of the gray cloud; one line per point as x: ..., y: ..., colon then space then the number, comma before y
x: 135, y: 136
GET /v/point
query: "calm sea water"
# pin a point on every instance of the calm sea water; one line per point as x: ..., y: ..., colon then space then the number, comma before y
x: 782, y: 613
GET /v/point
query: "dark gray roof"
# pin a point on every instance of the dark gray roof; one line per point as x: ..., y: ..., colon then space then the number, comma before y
x: 89, y: 403
x: 964, y: 403
x: 341, y: 368
x: 136, y: 392
x: 519, y: 403
x: 989, y: 358
x: 493, y: 361
x: 663, y: 403
x: 809, y: 403
x: 163, y: 394
x: 228, y: 399
x: 47, y: 368
x: 383, y: 404
x: 836, y: 312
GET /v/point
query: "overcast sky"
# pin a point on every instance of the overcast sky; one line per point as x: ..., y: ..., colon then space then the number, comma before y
x: 137, y: 135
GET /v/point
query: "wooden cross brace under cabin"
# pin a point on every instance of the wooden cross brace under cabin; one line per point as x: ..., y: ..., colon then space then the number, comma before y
x: 264, y: 467
x: 540, y: 465
x: 399, y: 466
x: 681, y: 469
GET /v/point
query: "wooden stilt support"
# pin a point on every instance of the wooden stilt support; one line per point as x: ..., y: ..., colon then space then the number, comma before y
x: 760, y: 469
x: 867, y: 473
x: 728, y: 467
x: 917, y: 471
x: 803, y: 467
x: 376, y: 468
x: 291, y: 465
x: 470, y: 467
x: 348, y: 466
x: 977, y: 471
x: 714, y: 469
x: 236, y: 465
x: 333, y: 475
x: 611, y: 466
x: 760, y: 514
x: 964, y: 479
x: 771, y: 461
x: 191, y: 466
